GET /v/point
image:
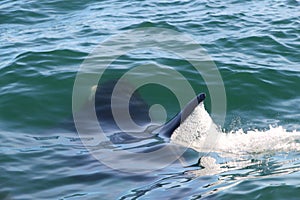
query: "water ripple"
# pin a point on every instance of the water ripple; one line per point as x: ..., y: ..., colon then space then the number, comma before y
x: 254, y: 44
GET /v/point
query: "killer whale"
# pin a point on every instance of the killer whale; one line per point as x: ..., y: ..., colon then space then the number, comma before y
x: 139, y: 110
x: 101, y: 98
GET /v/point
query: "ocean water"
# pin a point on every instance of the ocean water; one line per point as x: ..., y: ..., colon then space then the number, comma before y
x: 254, y: 46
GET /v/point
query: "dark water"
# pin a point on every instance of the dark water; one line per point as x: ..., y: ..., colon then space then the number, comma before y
x: 254, y: 44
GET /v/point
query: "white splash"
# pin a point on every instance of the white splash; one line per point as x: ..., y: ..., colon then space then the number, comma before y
x: 275, y: 139
x: 200, y: 133
x: 198, y: 130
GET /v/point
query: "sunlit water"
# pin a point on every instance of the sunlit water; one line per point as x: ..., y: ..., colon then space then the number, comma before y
x: 255, y: 154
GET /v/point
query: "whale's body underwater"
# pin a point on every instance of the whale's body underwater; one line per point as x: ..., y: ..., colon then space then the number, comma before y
x: 139, y: 114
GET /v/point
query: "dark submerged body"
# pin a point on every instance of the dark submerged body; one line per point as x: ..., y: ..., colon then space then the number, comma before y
x: 139, y: 111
